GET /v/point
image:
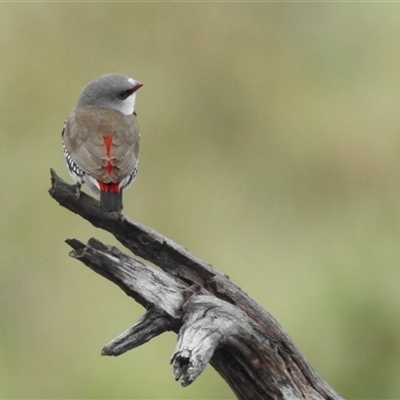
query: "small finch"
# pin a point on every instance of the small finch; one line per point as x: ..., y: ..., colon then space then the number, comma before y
x: 101, y: 138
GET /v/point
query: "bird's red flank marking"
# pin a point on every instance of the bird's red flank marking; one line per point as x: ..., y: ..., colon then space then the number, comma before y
x: 108, y: 142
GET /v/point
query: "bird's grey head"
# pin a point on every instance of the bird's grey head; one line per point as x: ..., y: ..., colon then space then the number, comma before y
x: 113, y: 91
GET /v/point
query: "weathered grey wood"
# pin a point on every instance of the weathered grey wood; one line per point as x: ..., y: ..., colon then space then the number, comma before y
x: 146, y: 285
x: 210, y: 323
x: 216, y: 321
x: 151, y: 324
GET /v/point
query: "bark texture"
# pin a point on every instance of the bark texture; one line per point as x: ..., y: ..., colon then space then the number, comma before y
x: 216, y: 322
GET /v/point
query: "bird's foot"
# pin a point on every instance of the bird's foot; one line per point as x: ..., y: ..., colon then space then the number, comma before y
x: 77, y: 187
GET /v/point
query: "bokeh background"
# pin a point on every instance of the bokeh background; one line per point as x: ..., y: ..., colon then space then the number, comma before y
x: 270, y: 148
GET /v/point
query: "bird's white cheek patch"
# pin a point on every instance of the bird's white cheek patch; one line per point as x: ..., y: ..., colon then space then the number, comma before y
x: 128, y: 105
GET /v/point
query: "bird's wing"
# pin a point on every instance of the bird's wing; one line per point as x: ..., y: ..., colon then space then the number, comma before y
x: 103, y: 142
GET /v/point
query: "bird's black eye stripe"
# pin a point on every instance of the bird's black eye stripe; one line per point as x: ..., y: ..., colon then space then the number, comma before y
x: 126, y: 93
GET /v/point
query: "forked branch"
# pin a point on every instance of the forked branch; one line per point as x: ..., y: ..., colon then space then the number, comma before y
x: 215, y: 320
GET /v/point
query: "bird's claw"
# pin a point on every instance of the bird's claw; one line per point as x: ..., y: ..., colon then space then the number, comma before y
x: 77, y: 187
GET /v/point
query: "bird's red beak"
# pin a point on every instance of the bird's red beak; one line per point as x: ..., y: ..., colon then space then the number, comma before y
x: 135, y: 84
x: 138, y: 86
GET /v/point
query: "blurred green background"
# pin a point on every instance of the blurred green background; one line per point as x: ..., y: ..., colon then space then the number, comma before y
x: 270, y: 148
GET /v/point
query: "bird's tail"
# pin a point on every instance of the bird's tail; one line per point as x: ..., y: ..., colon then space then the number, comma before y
x: 110, y: 197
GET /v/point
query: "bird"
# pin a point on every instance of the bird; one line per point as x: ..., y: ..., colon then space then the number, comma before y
x: 101, y: 138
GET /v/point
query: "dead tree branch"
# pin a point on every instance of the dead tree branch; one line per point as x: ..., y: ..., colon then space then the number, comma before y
x: 215, y: 320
